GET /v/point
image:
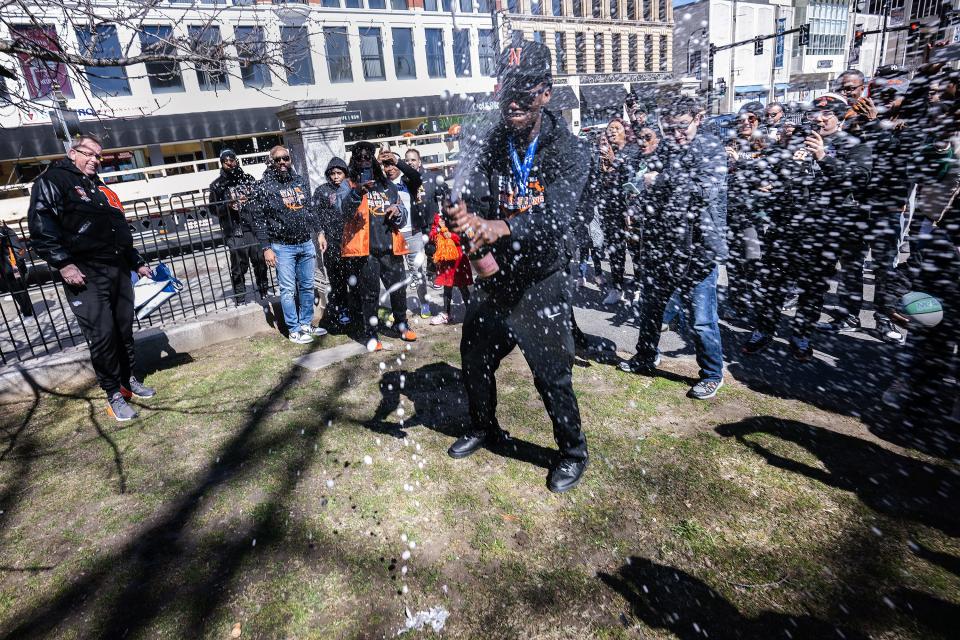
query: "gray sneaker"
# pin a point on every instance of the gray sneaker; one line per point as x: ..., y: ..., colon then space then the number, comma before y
x: 705, y: 389
x: 119, y: 409
x: 136, y: 389
x: 297, y: 337
x: 313, y: 331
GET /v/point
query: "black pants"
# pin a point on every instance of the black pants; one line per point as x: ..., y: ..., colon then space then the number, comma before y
x: 615, y: 241
x: 388, y: 269
x: 339, y: 270
x: 882, y: 241
x: 540, y: 325
x: 15, y: 282
x: 104, y: 310
x: 743, y: 267
x: 792, y: 258
x: 245, y: 251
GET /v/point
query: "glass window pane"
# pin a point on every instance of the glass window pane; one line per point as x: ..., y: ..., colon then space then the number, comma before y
x: 376, y: 4
x: 371, y: 54
x: 164, y: 76
x: 102, y: 42
x: 212, y: 76
x: 337, y: 48
x: 251, y: 49
x: 560, y: 48
x: 461, y: 52
x: 466, y: 6
x: 436, y: 67
x: 430, y: 5
x: 296, y: 55
x: 398, y: 5
x: 354, y: 4
x: 331, y: 4
x: 403, y: 62
x: 488, y: 53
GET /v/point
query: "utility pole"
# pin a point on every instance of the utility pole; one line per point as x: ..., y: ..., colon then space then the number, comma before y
x: 731, y: 90
x: 777, y: 45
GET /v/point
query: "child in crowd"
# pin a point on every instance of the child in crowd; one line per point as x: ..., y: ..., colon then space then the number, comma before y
x: 453, y: 267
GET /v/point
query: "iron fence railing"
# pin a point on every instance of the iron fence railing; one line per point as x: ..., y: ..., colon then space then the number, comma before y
x: 182, y: 233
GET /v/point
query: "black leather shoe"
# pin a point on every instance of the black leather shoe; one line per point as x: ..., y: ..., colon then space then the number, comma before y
x: 468, y: 444
x: 565, y: 475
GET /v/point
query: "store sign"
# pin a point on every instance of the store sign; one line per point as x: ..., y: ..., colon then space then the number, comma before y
x: 351, y: 117
x: 778, y: 47
x: 40, y: 74
x: 824, y: 64
x: 606, y: 78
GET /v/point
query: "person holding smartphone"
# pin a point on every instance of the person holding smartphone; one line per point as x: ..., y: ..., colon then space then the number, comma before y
x: 375, y: 216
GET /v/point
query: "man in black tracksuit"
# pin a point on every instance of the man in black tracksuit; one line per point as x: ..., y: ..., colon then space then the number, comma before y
x: 77, y: 225
x: 519, y: 203
x: 228, y: 195
x: 329, y: 198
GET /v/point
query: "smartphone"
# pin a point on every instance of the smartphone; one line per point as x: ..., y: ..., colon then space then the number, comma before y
x: 631, y: 188
x: 366, y: 175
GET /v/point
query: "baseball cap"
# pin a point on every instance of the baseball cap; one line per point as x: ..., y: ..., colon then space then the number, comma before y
x: 755, y: 108
x: 831, y: 102
x: 523, y: 67
x: 890, y: 80
x: 227, y: 153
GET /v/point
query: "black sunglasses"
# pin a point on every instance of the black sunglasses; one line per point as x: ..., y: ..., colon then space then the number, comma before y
x: 282, y: 159
x: 523, y: 99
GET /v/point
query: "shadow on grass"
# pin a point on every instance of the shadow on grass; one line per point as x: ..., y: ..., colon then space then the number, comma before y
x: 671, y: 599
x: 440, y: 404
x: 887, y: 482
x: 169, y: 570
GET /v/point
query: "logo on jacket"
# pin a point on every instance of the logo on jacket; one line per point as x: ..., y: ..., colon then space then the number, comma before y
x: 377, y: 202
x: 512, y: 203
x: 112, y: 198
x: 292, y: 198
x: 82, y: 193
x: 237, y: 195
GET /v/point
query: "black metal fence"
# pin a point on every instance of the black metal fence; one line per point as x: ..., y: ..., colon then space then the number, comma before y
x: 182, y: 233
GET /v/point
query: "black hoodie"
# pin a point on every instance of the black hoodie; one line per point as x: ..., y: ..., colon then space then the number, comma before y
x: 76, y: 218
x: 227, y: 195
x: 329, y: 200
x: 282, y: 209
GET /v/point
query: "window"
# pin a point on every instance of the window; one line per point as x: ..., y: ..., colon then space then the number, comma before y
x: 102, y: 42
x: 371, y: 54
x: 597, y: 8
x: 615, y: 52
x: 488, y: 53
x: 331, y: 4
x: 614, y: 9
x: 376, y: 4
x: 447, y: 5
x: 632, y: 9
x: 648, y: 53
x: 558, y: 7
x: 647, y: 9
x: 516, y: 37
x: 828, y: 28
x: 484, y: 6
x: 560, y: 44
x: 399, y: 5
x: 429, y: 5
x: 164, y: 76
x: 513, y: 6
x: 295, y: 42
x: 633, y: 52
x: 663, y: 53
x: 540, y: 36
x: 337, y: 47
x: 42, y: 75
x: 577, y: 8
x: 598, y: 52
x: 212, y: 76
x: 436, y: 67
x: 581, y: 43
x: 694, y: 66
x: 354, y: 4
x: 466, y: 6
x: 403, y: 62
x: 461, y: 52
x: 536, y: 7
x: 661, y: 10
x: 250, y: 49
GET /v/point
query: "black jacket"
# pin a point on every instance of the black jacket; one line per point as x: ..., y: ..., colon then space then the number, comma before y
x: 413, y: 181
x: 426, y: 205
x: 539, y: 228
x: 841, y: 187
x: 228, y: 193
x: 76, y: 218
x: 329, y: 201
x: 282, y: 209
x: 381, y: 227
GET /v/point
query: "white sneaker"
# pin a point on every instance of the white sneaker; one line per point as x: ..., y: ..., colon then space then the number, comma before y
x: 613, y: 297
x: 297, y: 337
x: 440, y: 318
x: 313, y: 331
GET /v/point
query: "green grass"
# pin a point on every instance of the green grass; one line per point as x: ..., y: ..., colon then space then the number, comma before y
x: 242, y: 495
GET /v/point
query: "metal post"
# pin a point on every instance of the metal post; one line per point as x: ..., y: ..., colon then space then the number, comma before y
x: 772, y: 94
x: 710, y: 80
x: 731, y: 84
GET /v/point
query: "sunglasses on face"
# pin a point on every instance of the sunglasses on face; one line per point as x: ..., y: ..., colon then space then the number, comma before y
x: 821, y: 115
x: 523, y: 99
x: 750, y: 119
x: 89, y: 154
x: 281, y: 159
x: 850, y: 88
x: 648, y: 138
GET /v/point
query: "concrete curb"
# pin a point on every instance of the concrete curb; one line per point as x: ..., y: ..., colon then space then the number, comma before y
x: 26, y: 381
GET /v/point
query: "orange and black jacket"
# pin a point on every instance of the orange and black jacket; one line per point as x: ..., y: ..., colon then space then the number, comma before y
x: 76, y: 218
x: 368, y: 229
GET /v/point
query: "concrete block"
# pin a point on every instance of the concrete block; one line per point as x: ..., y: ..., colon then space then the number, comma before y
x: 321, y: 359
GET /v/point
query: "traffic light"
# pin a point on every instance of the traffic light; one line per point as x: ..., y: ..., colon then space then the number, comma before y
x: 758, y: 46
x: 914, y: 28
x: 858, y: 37
x: 803, y: 38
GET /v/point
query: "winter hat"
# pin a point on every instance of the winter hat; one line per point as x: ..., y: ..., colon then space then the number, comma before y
x: 832, y: 102
x: 227, y: 153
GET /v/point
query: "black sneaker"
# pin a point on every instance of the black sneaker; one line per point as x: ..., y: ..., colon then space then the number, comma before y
x: 887, y: 331
x: 758, y: 342
x: 566, y: 474
x: 468, y: 445
x: 118, y: 408
x: 135, y: 388
x: 843, y: 325
x: 640, y: 366
x: 705, y: 389
x: 801, y: 349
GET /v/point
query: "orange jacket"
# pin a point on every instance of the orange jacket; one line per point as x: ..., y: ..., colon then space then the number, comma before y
x: 356, y: 234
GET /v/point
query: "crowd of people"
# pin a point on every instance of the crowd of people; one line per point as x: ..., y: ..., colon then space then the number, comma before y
x: 793, y: 197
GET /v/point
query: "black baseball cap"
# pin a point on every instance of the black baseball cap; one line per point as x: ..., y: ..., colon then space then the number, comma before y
x: 227, y: 153
x: 523, y: 66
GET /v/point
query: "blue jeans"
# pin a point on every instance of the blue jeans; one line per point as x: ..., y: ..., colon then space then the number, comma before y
x: 295, y: 265
x: 698, y: 299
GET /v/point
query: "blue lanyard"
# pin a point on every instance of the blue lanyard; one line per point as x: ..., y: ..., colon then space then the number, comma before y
x: 521, y: 172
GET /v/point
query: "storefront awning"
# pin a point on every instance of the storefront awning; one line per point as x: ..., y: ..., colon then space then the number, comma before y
x: 750, y: 89
x: 781, y: 86
x: 563, y: 97
x: 604, y: 97
x: 808, y: 81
